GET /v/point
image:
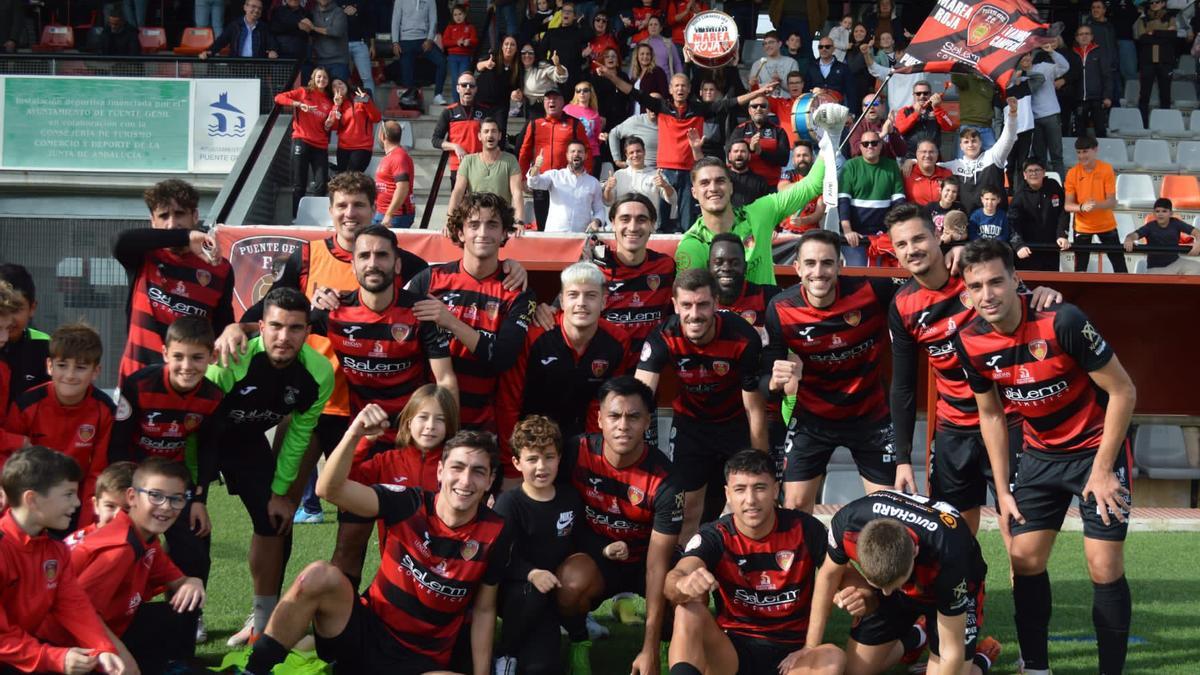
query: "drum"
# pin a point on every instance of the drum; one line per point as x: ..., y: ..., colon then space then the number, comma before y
x: 802, y: 110
x: 712, y: 39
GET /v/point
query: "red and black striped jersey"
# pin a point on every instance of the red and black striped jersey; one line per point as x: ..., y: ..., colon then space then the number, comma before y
x: 765, y: 586
x: 430, y: 571
x: 751, y: 305
x: 501, y: 317
x: 949, y: 569
x: 639, y: 296
x: 154, y: 420
x: 460, y: 124
x: 623, y: 504
x: 840, y: 345
x: 1042, y: 371
x: 406, y: 466
x: 82, y: 431
x: 384, y: 356
x: 551, y: 378
x: 711, y: 376
x: 167, y: 283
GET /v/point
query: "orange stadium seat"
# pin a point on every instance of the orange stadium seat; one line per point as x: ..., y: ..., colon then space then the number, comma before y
x: 195, y: 40
x: 152, y: 39
x: 56, y: 38
x: 1182, y: 190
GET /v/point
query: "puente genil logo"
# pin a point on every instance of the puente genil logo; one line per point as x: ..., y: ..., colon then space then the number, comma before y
x: 227, y: 119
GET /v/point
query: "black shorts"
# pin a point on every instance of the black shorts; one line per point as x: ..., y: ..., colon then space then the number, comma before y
x: 699, y: 449
x: 1044, y: 489
x: 620, y: 577
x: 897, y: 613
x: 757, y: 656
x: 365, y: 646
x: 960, y: 472
x: 811, y: 443
x: 248, y: 468
x: 777, y: 434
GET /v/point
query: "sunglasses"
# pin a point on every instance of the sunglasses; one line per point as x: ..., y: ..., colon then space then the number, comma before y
x: 870, y: 104
x: 921, y: 93
x: 868, y: 144
x: 467, y: 85
x: 583, y: 90
x: 825, y: 46
x: 757, y: 105
x: 528, y: 54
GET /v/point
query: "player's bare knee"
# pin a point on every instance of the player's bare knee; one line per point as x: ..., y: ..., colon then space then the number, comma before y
x: 1105, y: 567
x: 318, y: 579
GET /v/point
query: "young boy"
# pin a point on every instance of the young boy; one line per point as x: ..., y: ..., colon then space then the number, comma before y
x: 543, y: 518
x: 36, y: 581
x: 108, y: 501
x: 121, y: 567
x: 27, y: 348
x: 68, y: 413
x: 1166, y: 230
x: 947, y: 202
x: 10, y: 304
x: 991, y: 222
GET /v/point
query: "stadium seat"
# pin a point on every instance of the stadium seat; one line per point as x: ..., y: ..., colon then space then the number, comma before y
x: 1054, y: 174
x: 195, y: 40
x: 1126, y: 122
x: 1135, y: 191
x: 1183, y: 95
x: 1194, y: 121
x: 1168, y: 124
x: 1068, y: 152
x: 1159, y: 451
x: 152, y: 39
x: 1182, y: 190
x: 1113, y: 151
x: 1131, y: 93
x: 841, y: 457
x: 1152, y: 154
x: 1140, y: 267
x: 842, y: 486
x: 1187, y: 65
x: 55, y: 38
x: 313, y: 211
x: 1125, y: 224
x: 1189, y: 151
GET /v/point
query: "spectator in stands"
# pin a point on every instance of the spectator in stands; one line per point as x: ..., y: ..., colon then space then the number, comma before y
x: 286, y: 19
x: 568, y: 41
x: 857, y: 59
x: 414, y: 28
x: 925, y: 119
x: 977, y: 167
x: 121, y: 39
x: 1166, y: 230
x: 990, y: 221
x: 210, y: 14
x: 747, y: 185
x: 1124, y: 15
x: 457, y: 129
x: 745, y: 17
x: 1020, y: 87
x: 899, y: 85
x: 613, y: 106
x: 500, y: 76
x: 637, y: 177
x: 665, y: 53
x: 602, y: 40
x: 506, y: 17
x: 646, y: 76
x: 768, y: 144
x: 875, y: 120
x: 1037, y: 214
x: 247, y: 37
x: 840, y: 34
x: 946, y: 213
x: 1096, y: 85
x: 491, y: 170
x: 923, y: 184
x: 679, y: 13
x: 829, y: 73
x: 548, y: 137
x: 330, y: 39
x: 885, y: 52
x: 394, y: 180
x: 717, y: 128
x: 1155, y: 33
x: 773, y: 66
x: 584, y: 107
x: 360, y: 36
x: 1047, y: 123
x: 868, y: 185
x: 356, y: 120
x: 460, y: 40
x: 813, y: 214
x: 883, y: 18
x: 645, y: 128
x: 12, y: 24
x: 576, y: 199
x: 1067, y: 87
x: 1091, y: 191
x: 311, y: 123
x: 1105, y: 35
x: 975, y: 107
x: 781, y: 107
x: 540, y: 77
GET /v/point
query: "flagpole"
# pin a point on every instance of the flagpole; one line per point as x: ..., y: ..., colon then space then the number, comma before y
x: 866, y: 109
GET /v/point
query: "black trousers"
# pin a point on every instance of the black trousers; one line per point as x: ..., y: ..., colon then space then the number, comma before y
x: 308, y: 160
x: 1116, y: 259
x: 541, y: 207
x: 191, y: 554
x: 1093, y: 113
x: 159, y: 635
x: 1147, y: 76
x: 530, y: 632
x: 353, y: 160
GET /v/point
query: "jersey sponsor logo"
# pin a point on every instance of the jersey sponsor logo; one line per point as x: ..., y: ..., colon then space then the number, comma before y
x: 469, y: 549
x: 377, y: 349
x: 630, y: 316
x: 160, y: 445
x: 1039, y: 349
x: 614, y: 507
x: 203, y: 277
x: 749, y: 242
x: 1095, y: 342
x: 124, y: 410
x: 653, y: 281
x: 752, y: 599
x: 247, y: 416
x: 159, y: 297
x: 940, y: 349
x: 86, y: 432
x: 599, y: 367
x: 721, y: 368
x: 289, y: 395
x: 904, y: 516
x: 50, y: 570
x: 409, y: 567
x: 192, y: 420
x: 636, y: 495
x: 1034, y: 395
x: 838, y: 357
x: 401, y: 331
x: 370, y: 367
x: 853, y: 318
x: 636, y: 300
x: 602, y: 519
x: 785, y: 559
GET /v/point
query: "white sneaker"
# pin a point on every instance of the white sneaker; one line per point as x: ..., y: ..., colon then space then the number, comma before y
x: 201, y: 632
x: 595, y: 630
x: 439, y: 100
x: 242, y: 636
x: 505, y: 665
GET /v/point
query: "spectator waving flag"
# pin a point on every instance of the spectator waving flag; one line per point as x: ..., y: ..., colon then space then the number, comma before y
x: 976, y: 36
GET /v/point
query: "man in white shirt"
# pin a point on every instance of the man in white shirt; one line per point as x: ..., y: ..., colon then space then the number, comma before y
x: 637, y: 177
x: 576, y: 201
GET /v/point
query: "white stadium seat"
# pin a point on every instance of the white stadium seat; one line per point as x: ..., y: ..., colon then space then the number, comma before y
x: 313, y: 211
x: 1135, y: 191
x: 1068, y: 150
x: 1160, y: 451
x: 1125, y: 224
x: 1153, y: 154
x: 1113, y: 151
x: 1194, y: 121
x: 1189, y: 153
x: 1131, y: 93
x: 1183, y: 95
x: 1054, y: 174
x: 1168, y: 124
x: 1126, y: 122
x: 1187, y: 65
x: 842, y: 486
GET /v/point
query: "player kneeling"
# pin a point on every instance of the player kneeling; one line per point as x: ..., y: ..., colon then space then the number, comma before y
x: 761, y: 561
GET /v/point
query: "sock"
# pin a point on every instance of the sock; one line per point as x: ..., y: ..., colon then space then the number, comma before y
x: 263, y: 606
x: 267, y: 653
x: 1031, y: 613
x: 684, y: 669
x: 913, y: 639
x: 576, y: 627
x: 1111, y: 609
x: 982, y: 663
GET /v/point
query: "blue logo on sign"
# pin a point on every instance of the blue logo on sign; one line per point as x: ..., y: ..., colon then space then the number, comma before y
x: 228, y: 119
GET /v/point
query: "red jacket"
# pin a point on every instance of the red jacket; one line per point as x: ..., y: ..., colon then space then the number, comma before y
x: 678, y: 19
x: 908, y: 116
x: 308, y: 126
x: 921, y: 189
x: 36, y: 584
x: 460, y: 31
x: 551, y: 136
x: 600, y: 44
x: 356, y: 129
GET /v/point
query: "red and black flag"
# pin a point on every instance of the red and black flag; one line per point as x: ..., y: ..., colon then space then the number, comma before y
x: 987, y: 37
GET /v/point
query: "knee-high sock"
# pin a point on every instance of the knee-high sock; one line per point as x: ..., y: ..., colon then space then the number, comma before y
x: 1031, y: 605
x: 1111, y: 609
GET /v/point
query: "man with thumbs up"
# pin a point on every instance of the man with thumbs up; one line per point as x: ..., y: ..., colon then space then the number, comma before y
x: 635, y: 177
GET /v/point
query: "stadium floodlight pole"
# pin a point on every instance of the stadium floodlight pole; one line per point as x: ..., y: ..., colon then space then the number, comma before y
x: 866, y: 109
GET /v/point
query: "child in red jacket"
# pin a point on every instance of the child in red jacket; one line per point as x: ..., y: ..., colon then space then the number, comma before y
x: 460, y: 41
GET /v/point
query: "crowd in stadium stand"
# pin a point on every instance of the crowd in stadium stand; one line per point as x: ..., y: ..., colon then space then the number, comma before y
x: 508, y: 446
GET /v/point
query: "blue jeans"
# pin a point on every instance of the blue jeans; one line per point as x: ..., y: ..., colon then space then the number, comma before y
x: 584, y: 11
x: 398, y: 222
x: 506, y: 21
x: 987, y: 137
x: 1128, y: 61
x: 360, y: 54
x: 339, y: 71
x: 682, y: 182
x: 410, y: 51
x: 211, y: 13
x: 135, y: 13
x: 854, y: 256
x: 457, y: 64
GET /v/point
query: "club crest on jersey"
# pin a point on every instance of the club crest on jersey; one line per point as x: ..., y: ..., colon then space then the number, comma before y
x: 599, y: 367
x: 50, y: 569
x: 785, y: 559
x: 636, y: 495
x: 853, y: 318
x: 401, y: 331
x: 86, y: 432
x: 720, y: 367
x: 986, y: 23
x: 1039, y: 349
x: 493, y: 309
x: 965, y: 299
x: 289, y: 395
x: 203, y: 277
x: 192, y: 420
x: 469, y: 549
x: 750, y: 315
x: 653, y: 281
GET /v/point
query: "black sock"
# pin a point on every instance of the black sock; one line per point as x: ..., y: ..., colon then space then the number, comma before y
x: 1031, y: 610
x: 684, y: 669
x: 576, y: 627
x: 913, y: 639
x: 266, y: 655
x: 1111, y: 609
x: 982, y: 663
